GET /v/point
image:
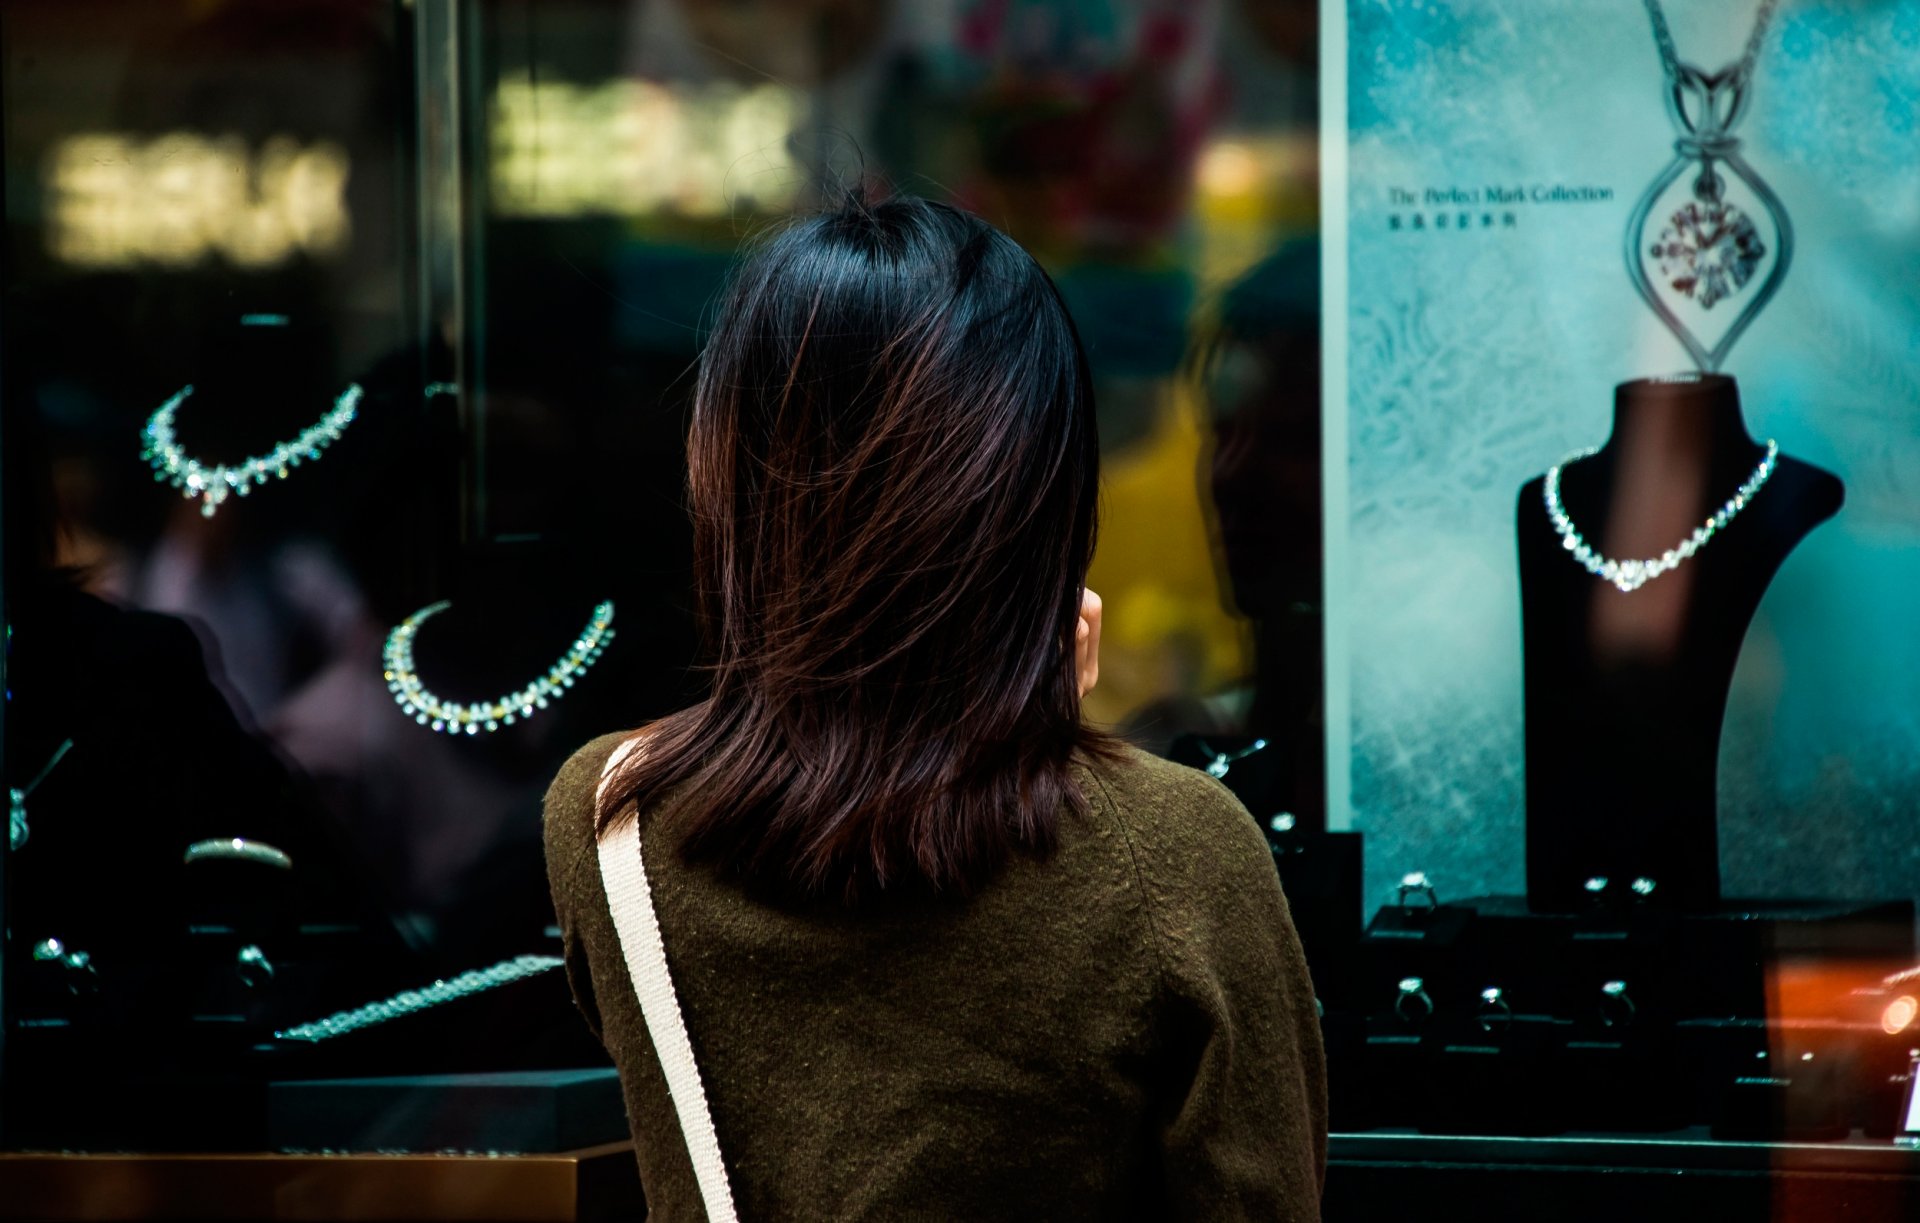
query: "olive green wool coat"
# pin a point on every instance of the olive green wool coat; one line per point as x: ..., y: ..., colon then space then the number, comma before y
x: 1125, y: 1030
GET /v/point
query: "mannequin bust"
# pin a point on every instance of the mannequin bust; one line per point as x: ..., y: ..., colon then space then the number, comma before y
x: 260, y: 380
x: 1626, y: 691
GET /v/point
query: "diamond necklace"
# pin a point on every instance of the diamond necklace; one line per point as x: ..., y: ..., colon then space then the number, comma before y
x: 213, y: 482
x: 454, y: 717
x: 413, y: 1001
x: 1709, y: 249
x: 1629, y: 576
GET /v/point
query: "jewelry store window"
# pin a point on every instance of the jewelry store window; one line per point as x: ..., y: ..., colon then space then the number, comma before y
x: 347, y: 352
x: 1622, y: 534
x: 1507, y: 432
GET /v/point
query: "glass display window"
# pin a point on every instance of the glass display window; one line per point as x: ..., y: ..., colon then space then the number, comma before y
x: 348, y: 350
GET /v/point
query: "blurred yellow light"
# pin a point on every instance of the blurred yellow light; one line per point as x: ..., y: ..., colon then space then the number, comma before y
x: 635, y: 147
x: 115, y: 200
x: 1229, y: 168
x: 1899, y: 1014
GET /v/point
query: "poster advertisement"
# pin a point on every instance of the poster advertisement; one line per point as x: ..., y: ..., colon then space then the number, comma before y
x: 1484, y: 164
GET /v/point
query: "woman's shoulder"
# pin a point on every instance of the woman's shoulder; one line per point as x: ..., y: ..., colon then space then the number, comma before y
x: 580, y: 775
x: 572, y: 797
x: 1182, y: 824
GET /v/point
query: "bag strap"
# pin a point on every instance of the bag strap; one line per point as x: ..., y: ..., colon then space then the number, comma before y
x: 630, y: 900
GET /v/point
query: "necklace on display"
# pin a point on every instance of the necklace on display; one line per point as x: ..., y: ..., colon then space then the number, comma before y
x: 1709, y: 249
x: 17, y: 830
x: 413, y: 1001
x: 214, y: 482
x: 1222, y: 761
x: 1629, y: 576
x: 454, y: 717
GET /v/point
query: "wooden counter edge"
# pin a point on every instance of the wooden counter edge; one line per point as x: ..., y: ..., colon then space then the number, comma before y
x: 591, y: 1183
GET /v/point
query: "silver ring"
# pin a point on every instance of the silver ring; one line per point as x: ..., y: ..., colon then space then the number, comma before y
x: 1616, y: 1008
x: 252, y: 966
x: 81, y: 976
x: 1414, y: 1003
x: 1416, y: 883
x: 238, y: 849
x: 1495, y: 1012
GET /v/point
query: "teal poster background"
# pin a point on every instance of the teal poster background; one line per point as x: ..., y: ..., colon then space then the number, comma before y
x: 1484, y: 161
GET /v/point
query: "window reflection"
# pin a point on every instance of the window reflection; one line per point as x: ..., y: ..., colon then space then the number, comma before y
x: 634, y: 147
x: 115, y: 200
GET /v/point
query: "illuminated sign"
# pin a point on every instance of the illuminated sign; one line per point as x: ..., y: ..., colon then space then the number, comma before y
x: 115, y: 200
x: 635, y: 148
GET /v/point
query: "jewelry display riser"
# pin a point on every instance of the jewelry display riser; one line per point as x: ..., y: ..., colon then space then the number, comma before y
x: 211, y: 1086
x: 1322, y: 875
x: 1486, y: 1017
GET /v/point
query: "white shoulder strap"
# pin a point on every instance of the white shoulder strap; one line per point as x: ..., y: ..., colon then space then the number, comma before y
x: 630, y: 900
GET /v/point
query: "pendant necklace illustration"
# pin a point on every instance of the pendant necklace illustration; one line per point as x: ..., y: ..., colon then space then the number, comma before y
x: 1707, y: 250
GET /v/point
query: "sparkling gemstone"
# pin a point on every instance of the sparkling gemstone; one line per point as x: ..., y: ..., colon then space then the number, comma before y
x: 1708, y: 251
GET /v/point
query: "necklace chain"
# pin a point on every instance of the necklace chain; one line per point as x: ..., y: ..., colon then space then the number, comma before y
x: 214, y: 482
x: 1629, y: 576
x: 454, y: 717
x: 17, y: 829
x: 1670, y: 57
x: 1218, y: 767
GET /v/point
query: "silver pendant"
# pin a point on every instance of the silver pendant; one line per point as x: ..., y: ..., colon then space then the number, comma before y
x: 1707, y: 250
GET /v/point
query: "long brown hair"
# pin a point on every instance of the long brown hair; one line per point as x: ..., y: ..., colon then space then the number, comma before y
x: 893, y: 472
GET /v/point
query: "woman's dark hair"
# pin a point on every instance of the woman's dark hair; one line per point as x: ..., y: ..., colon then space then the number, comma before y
x: 893, y: 473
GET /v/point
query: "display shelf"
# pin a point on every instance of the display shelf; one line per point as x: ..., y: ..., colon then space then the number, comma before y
x: 1571, y: 1178
x: 594, y: 1183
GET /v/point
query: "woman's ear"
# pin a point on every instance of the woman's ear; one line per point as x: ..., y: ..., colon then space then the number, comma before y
x: 1086, y: 642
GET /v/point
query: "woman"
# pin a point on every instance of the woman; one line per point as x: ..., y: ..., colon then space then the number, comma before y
x: 942, y: 950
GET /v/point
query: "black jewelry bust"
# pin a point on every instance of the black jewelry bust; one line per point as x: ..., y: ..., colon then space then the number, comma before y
x: 1625, y: 692
x: 260, y: 379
